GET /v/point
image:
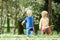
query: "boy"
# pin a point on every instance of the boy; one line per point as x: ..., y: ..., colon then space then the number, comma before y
x: 29, y: 23
x: 44, y: 23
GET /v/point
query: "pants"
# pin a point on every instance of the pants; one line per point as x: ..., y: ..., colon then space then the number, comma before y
x: 46, y: 30
x: 29, y: 32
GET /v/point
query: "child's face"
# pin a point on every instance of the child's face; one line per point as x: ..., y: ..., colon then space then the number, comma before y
x: 29, y: 14
x: 44, y: 15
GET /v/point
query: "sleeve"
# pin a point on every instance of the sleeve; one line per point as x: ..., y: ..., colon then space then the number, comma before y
x: 32, y: 19
x: 48, y: 20
x: 25, y: 19
x: 40, y: 24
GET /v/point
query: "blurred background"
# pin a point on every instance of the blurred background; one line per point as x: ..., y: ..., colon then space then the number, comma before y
x: 13, y: 12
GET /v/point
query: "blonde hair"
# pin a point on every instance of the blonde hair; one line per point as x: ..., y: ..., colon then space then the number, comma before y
x: 44, y: 12
x: 29, y: 11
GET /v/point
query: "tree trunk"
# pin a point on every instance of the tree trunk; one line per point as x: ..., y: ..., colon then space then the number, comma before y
x: 50, y: 11
x: 15, y: 23
x: 8, y: 20
x: 20, y: 28
x: 0, y: 22
x: 48, y: 7
x: 8, y: 24
x: 1, y: 10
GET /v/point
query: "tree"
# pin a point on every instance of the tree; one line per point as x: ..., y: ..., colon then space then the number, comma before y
x: 18, y: 17
x: 56, y: 16
x: 0, y: 16
x: 8, y: 15
x: 50, y: 11
x: 56, y: 1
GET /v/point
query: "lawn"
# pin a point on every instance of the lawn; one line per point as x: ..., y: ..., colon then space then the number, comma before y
x: 23, y: 37
x: 11, y: 36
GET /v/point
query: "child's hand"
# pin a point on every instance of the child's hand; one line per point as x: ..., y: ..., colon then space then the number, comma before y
x: 40, y: 28
x: 22, y: 22
x: 33, y: 28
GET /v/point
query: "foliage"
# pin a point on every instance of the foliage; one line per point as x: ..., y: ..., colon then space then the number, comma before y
x: 16, y: 11
x: 56, y: 16
x: 56, y: 1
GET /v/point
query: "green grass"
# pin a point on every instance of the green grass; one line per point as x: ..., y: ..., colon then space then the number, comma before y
x: 11, y: 36
x: 23, y: 37
x: 16, y: 32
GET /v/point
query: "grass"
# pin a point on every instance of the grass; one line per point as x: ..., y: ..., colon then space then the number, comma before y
x: 23, y: 37
x: 11, y: 36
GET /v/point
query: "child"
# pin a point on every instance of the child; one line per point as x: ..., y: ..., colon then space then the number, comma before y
x: 44, y: 23
x: 29, y: 20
